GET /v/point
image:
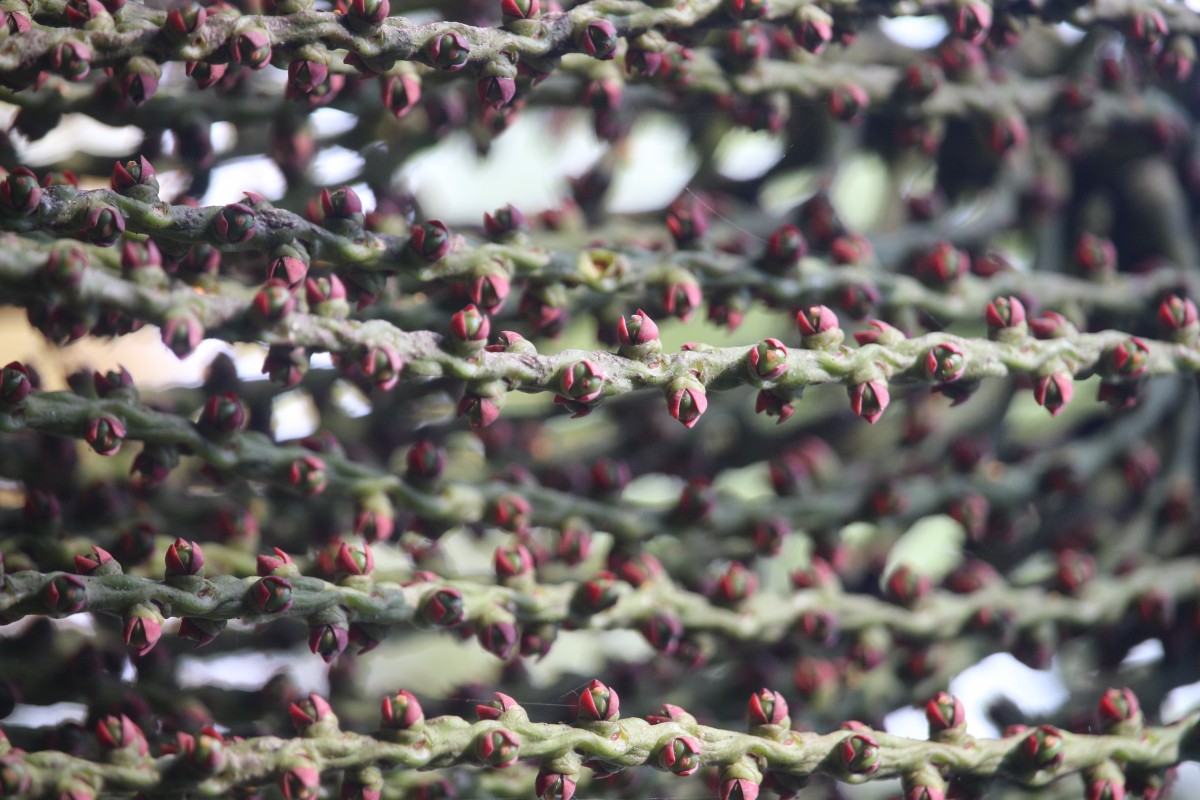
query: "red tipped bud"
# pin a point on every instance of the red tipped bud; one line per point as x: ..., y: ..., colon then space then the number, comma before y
x: 598, y: 703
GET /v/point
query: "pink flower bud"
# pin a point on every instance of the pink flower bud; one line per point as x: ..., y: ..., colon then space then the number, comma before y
x: 184, y: 558
x: 686, y: 403
x: 870, y: 399
x: 143, y: 629
x: 1053, y: 392
x: 401, y: 712
x: 553, y: 786
x: 597, y: 703
x: 680, y: 755
x: 494, y: 708
x: 767, y: 707
x: 300, y: 783
x: 498, y: 748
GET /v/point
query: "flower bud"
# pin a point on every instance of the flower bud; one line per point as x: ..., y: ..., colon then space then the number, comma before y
x: 813, y: 29
x: 1043, y: 748
x: 498, y: 748
x: 449, y: 52
x: 480, y: 411
x: 680, y: 755
x: 223, y: 415
x: 470, y: 327
x: 270, y: 595
x: 401, y: 712
x: 98, y: 562
x: 495, y: 91
x: 182, y: 333
x: 103, y: 225
x: 507, y: 220
x: 300, y: 783
x: 143, y: 628
x: 1178, y: 318
x: 494, y: 708
x: 251, y: 48
x: 199, y: 630
x: 235, y: 223
x: 1053, y: 392
x: 328, y: 641
x: 120, y: 733
x: 430, y: 241
x: 942, y: 266
x: 906, y: 586
x: 127, y: 177
x: 551, y: 785
x: 354, y: 560
x: 513, y: 561
x: 597, y: 703
x: 1006, y: 319
x: 1119, y: 709
x: 307, y: 475
x: 945, y: 363
x: 1126, y: 360
x: 595, y: 595
x: 20, y: 193
x: 859, y: 754
x: 138, y: 80
x: 582, y: 381
x: 598, y: 39
x: 945, y: 715
x: 870, y: 399
x: 105, y: 434
x: 767, y: 707
x: 184, y: 23
x: 65, y: 595
x: 767, y: 360
x: 16, y: 384
x: 443, y: 608
x: 184, y: 558
x: 686, y: 401
x: 401, y: 93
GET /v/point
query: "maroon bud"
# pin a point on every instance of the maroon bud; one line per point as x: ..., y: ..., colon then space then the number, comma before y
x: 687, y: 220
x: 735, y: 585
x: 105, y: 434
x: 1004, y: 314
x: 205, y: 75
x: 430, y: 241
x: 1178, y: 317
x: 489, y: 292
x: 636, y: 329
x: 65, y: 268
x: 271, y: 594
x: 309, y: 711
x: 1043, y: 748
x: 401, y: 94
x: 945, y: 713
x: 132, y: 174
x: 300, y: 783
x: 495, y: 91
x: 479, y: 411
x: 499, y: 638
x: 860, y: 754
x: 72, y: 59
x: 816, y: 320
x: 598, y: 39
x: 906, y: 586
x: 574, y: 544
x: 182, y: 334
x: 680, y: 755
x: 767, y: 360
x: 251, y: 48
x: 184, y: 23
x: 1074, y: 570
x: 512, y: 561
x: 307, y: 474
x: 449, y: 52
x: 1117, y: 707
x: 495, y: 707
x: 520, y: 9
x: 272, y: 564
x: 1095, y: 255
x: 222, y: 416
x: 120, y: 733
x: 305, y: 76
x: 184, y: 558
x: 98, y: 562
x: 1053, y: 392
x: 945, y: 363
x: 103, y: 225
x: 814, y: 29
x: 354, y: 559
x: 682, y: 299
x: 200, y: 631
x: 869, y: 400
x: 785, y: 247
x: 65, y: 595
x: 142, y: 629
x: 20, y: 193
x: 1127, y: 359
x: 400, y: 712
x: 582, y: 381
x: 942, y: 266
x: 553, y: 785
x: 773, y: 405
x: 470, y: 325
x: 498, y: 748
x: 425, y: 462
x: 443, y: 607
x: 847, y: 102
x: 737, y: 789
x: 235, y: 223
x: 138, y: 81
x: 504, y: 220
x: 328, y: 641
x: 595, y: 595
x: 663, y: 631
x: 686, y: 401
x: 598, y: 703
x: 767, y: 707
x: 113, y: 383
x: 15, y: 385
x: 510, y: 511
